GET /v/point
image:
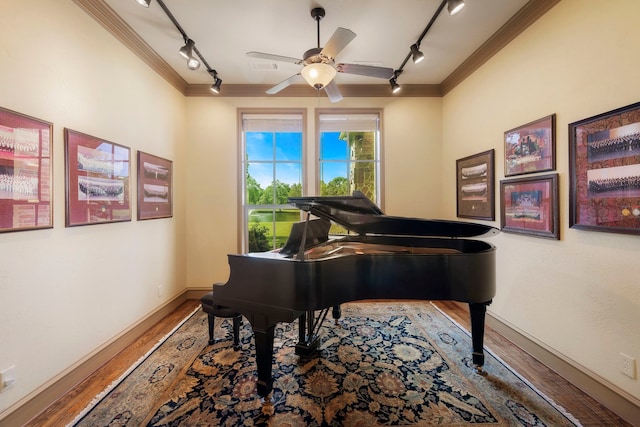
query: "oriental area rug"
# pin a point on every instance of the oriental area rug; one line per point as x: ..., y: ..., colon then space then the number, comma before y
x: 384, y: 364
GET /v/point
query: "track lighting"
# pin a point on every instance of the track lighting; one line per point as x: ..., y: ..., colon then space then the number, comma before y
x: 395, y: 87
x: 454, y: 6
x: 417, y: 55
x: 217, y: 81
x: 189, y: 51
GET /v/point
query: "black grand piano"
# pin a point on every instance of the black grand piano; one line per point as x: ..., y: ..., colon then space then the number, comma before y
x: 387, y: 258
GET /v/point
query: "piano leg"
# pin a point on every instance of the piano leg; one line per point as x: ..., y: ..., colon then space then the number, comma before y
x: 478, y: 311
x: 264, y: 360
x: 336, y: 312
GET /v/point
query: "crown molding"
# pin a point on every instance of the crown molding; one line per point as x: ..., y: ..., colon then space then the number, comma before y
x: 350, y: 90
x: 113, y: 23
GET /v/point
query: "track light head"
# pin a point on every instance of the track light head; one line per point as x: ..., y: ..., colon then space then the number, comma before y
x: 416, y: 54
x: 215, y: 87
x: 193, y: 63
x: 144, y: 3
x: 395, y: 87
x: 454, y: 6
x: 187, y: 50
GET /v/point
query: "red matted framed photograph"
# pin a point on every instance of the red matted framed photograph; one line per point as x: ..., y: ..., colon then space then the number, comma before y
x: 26, y: 179
x: 531, y: 148
x: 475, y: 186
x: 155, y: 191
x: 97, y: 180
x: 604, y: 172
x: 529, y: 205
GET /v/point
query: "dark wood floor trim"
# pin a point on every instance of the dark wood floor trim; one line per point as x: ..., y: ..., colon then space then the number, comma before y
x: 37, y: 401
x: 614, y: 398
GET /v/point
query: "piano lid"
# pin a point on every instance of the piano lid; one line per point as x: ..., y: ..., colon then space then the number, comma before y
x: 359, y: 214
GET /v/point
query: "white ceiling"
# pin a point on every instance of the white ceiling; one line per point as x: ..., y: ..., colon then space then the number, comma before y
x: 224, y: 31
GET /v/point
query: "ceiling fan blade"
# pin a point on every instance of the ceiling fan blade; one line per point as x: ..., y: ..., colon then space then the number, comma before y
x: 283, y: 84
x: 333, y: 92
x: 271, y: 57
x: 338, y: 41
x: 365, y: 70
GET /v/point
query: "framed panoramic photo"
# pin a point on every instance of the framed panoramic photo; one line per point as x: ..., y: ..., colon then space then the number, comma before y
x: 26, y: 181
x: 475, y: 186
x: 97, y: 180
x: 155, y: 192
x: 604, y: 163
x: 530, y: 148
x: 529, y: 205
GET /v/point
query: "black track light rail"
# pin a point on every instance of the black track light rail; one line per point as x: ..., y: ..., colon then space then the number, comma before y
x: 424, y: 33
x: 186, y: 39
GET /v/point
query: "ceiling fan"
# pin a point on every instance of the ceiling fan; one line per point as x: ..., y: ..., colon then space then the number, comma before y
x: 319, y: 63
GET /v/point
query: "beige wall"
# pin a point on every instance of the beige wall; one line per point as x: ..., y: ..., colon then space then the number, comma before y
x: 580, y: 296
x: 66, y: 291
x: 412, y: 169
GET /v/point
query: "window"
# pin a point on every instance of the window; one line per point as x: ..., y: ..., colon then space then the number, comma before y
x: 349, y: 154
x: 273, y: 170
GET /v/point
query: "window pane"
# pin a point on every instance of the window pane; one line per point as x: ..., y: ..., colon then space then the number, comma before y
x: 259, y: 145
x: 270, y: 228
x: 289, y: 177
x: 288, y: 146
x: 332, y: 147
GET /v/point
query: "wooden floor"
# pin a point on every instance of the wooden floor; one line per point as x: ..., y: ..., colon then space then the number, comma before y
x: 588, y: 411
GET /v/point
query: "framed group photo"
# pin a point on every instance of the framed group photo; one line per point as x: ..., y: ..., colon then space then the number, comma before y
x: 155, y: 191
x: 97, y: 180
x: 530, y: 148
x: 529, y: 205
x: 604, y: 187
x: 475, y: 186
x: 26, y: 181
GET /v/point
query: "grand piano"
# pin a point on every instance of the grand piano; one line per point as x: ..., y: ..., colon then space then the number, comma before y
x: 383, y: 257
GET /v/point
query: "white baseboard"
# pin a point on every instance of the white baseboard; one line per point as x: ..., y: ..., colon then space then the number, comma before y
x: 40, y: 399
x: 611, y: 396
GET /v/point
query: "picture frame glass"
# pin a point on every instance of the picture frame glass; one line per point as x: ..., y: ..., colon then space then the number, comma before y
x: 605, y: 171
x: 530, y: 206
x: 26, y: 175
x: 475, y: 186
x: 530, y: 148
x: 155, y: 190
x: 97, y: 180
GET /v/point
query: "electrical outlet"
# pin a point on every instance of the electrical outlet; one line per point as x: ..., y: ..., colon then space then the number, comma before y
x: 628, y: 365
x: 160, y: 291
x: 7, y: 378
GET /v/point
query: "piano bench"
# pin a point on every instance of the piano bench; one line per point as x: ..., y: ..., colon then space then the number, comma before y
x: 213, y: 310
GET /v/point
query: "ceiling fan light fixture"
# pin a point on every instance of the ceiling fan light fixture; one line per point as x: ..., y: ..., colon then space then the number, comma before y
x: 318, y: 75
x: 144, y: 3
x: 416, y: 54
x: 454, y: 6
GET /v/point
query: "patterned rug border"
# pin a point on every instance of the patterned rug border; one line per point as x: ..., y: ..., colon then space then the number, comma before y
x: 535, y: 389
x: 104, y: 393
x: 98, y: 399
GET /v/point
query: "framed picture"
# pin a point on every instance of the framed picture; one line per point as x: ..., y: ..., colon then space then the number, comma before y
x: 155, y: 192
x: 529, y: 205
x: 531, y: 148
x: 604, y: 172
x: 26, y: 180
x: 97, y: 180
x: 475, y: 186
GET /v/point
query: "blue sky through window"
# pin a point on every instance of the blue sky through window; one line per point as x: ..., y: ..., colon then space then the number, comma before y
x: 287, y: 148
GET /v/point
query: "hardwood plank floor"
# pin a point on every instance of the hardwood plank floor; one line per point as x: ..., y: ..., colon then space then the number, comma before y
x: 587, y: 410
